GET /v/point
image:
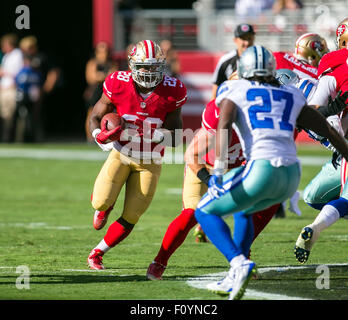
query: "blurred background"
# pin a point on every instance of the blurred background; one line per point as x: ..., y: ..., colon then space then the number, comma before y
x: 69, y: 47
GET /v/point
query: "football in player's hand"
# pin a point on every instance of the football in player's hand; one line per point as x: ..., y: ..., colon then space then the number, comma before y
x: 113, y: 120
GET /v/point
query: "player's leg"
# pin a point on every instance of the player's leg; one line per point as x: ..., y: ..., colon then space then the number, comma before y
x: 140, y: 189
x: 324, y: 187
x: 248, y: 193
x: 242, y: 226
x: 176, y: 233
x: 322, y: 193
x: 107, y: 187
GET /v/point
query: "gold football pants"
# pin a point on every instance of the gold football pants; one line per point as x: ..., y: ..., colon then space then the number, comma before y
x: 140, y: 180
x: 193, y: 189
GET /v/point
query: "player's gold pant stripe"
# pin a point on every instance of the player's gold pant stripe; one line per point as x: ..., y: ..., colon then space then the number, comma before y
x: 139, y: 179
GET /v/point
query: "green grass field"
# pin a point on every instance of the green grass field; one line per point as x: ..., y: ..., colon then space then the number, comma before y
x: 46, y: 225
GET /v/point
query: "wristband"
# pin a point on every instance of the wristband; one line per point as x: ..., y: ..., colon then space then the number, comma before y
x: 95, y: 132
x: 203, y: 175
x: 219, y: 167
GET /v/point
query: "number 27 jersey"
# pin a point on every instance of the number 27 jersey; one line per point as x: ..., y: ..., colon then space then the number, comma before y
x: 266, y: 119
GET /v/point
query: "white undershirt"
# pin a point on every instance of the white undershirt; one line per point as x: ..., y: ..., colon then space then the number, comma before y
x: 11, y: 64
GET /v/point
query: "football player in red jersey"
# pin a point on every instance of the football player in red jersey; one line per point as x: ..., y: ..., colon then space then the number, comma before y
x: 199, y: 158
x: 309, y: 49
x: 333, y: 78
x: 150, y: 103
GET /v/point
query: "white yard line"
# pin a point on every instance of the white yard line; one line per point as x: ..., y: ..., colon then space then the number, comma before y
x: 202, y: 281
x: 40, y: 225
x: 171, y: 155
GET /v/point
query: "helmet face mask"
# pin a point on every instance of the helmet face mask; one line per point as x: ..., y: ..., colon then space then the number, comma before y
x: 256, y: 61
x: 342, y: 34
x: 287, y: 76
x: 311, y: 47
x: 147, y: 64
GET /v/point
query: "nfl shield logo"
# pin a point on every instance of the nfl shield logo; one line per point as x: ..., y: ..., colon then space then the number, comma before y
x: 143, y: 105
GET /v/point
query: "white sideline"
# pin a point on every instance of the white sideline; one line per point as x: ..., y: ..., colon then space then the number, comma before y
x: 171, y: 156
x: 202, y: 281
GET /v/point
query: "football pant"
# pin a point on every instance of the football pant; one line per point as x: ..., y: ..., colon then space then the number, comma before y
x: 140, y: 182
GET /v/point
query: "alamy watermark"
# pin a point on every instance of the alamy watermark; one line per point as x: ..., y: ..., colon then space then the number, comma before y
x: 23, y: 281
x: 323, y: 281
x: 23, y: 18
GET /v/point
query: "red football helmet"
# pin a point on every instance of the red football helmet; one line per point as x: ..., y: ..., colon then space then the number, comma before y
x: 342, y: 34
x: 310, y: 47
x: 147, y: 63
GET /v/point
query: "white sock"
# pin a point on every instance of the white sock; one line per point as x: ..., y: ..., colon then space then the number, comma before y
x: 103, y: 246
x: 237, y: 260
x: 326, y: 217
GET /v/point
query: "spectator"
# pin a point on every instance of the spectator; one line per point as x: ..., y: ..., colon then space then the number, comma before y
x: 227, y: 65
x: 50, y: 75
x: 97, y: 68
x: 172, y: 60
x: 11, y: 63
x: 29, y: 84
x: 280, y: 5
x: 251, y: 9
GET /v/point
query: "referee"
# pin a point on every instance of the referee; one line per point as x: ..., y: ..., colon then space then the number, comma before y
x: 227, y: 66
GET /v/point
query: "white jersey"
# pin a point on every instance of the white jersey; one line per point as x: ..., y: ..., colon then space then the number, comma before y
x: 308, y: 86
x: 311, y: 89
x: 266, y: 119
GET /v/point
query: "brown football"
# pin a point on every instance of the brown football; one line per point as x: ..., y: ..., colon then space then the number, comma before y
x: 113, y: 120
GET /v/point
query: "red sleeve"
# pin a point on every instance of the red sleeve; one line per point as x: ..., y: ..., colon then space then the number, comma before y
x: 108, y: 85
x: 280, y: 61
x: 332, y: 60
x: 210, y: 117
x: 181, y: 95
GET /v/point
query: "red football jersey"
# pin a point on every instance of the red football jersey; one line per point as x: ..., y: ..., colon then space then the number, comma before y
x: 210, y: 120
x: 286, y: 60
x: 152, y: 110
x: 335, y: 64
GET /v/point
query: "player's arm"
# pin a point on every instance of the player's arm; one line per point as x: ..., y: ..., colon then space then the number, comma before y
x: 228, y: 114
x: 213, y: 91
x: 201, y: 143
x: 311, y: 119
x: 102, y: 107
x: 101, y: 135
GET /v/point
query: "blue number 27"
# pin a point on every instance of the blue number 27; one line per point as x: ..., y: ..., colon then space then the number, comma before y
x: 266, y: 107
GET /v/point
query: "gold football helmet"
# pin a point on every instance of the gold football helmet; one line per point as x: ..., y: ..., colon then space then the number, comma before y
x: 342, y: 34
x: 310, y: 47
x: 147, y: 63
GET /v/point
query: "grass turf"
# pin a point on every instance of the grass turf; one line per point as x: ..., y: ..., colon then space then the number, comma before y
x: 46, y: 225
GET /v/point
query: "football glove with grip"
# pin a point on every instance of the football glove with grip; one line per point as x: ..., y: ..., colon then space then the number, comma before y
x: 336, y: 105
x: 215, y: 189
x: 105, y: 136
x: 104, y: 146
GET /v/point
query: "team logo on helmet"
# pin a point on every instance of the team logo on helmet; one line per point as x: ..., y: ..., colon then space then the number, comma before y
x: 340, y: 30
x: 133, y: 51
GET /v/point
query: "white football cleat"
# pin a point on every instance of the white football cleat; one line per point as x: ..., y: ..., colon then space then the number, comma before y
x: 223, y: 286
x: 305, y: 241
x: 242, y: 274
